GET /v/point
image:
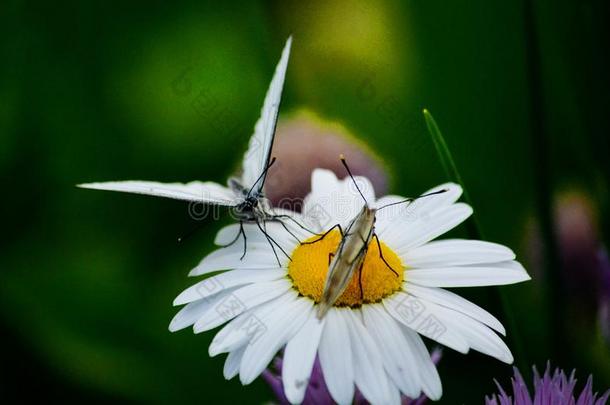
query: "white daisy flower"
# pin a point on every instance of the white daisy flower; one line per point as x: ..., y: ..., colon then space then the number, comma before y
x: 370, y: 339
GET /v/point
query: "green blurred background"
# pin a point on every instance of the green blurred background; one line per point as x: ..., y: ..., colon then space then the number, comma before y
x: 93, y: 91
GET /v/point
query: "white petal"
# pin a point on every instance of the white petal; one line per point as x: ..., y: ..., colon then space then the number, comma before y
x: 231, y: 367
x: 446, y: 321
x: 469, y: 276
x: 247, y: 326
x: 456, y: 252
x: 240, y: 301
x: 454, y: 302
x: 195, y: 191
x: 231, y: 336
x: 409, y: 212
x: 231, y: 258
x: 333, y: 201
x: 193, y: 311
x: 255, y: 238
x: 229, y: 233
x: 430, y: 380
x: 323, y: 181
x: 386, y: 200
x: 299, y: 358
x: 336, y: 357
x: 281, y: 326
x: 452, y: 194
x: 478, y: 336
x: 397, y: 355
x: 410, y: 232
x: 369, y: 374
x: 232, y: 278
x: 422, y: 317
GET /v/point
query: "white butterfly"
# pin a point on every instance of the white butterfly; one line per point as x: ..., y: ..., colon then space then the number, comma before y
x: 244, y: 195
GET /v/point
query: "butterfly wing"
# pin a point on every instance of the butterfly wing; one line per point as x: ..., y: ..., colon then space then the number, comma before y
x: 208, y: 192
x: 258, y: 154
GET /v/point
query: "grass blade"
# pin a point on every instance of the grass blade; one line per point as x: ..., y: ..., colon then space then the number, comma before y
x: 474, y: 231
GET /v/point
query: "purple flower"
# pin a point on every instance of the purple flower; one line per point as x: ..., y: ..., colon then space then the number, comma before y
x: 317, y: 393
x: 552, y: 389
x: 604, y: 299
x: 305, y: 142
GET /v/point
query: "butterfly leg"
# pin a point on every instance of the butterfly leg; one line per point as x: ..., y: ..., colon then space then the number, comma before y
x: 288, y: 230
x: 272, y: 242
x: 381, y: 255
x: 338, y: 226
x: 330, y: 257
x: 283, y: 216
x: 242, y: 233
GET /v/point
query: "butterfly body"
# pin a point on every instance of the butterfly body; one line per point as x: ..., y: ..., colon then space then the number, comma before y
x: 253, y: 205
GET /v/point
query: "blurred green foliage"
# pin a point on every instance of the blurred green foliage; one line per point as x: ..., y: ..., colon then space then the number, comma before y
x: 93, y: 91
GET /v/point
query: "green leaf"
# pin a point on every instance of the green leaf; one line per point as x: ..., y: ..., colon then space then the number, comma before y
x: 444, y: 155
x: 441, y: 148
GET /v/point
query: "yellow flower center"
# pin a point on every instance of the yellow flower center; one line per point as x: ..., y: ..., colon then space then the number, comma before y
x: 310, y: 262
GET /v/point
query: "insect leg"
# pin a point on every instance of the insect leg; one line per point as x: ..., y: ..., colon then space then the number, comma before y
x: 272, y: 242
x: 324, y: 235
x: 381, y: 255
x: 242, y: 233
x: 295, y: 221
x: 288, y: 230
x: 330, y: 257
x: 360, y: 281
x: 268, y: 241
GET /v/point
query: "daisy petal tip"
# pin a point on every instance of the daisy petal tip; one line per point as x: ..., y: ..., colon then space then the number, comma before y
x: 434, y: 393
x: 467, y: 209
x: 246, y: 379
x: 507, y: 358
x: 173, y: 327
x: 193, y: 272
x: 199, y: 327
x: 449, y: 186
x: 213, y: 350
x: 88, y: 185
x: 523, y: 275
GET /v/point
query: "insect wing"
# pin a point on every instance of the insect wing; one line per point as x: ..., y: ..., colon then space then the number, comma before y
x: 208, y: 192
x: 256, y: 158
x: 347, y: 260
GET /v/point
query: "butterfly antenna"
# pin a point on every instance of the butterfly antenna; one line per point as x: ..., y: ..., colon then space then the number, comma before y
x: 407, y: 200
x: 262, y: 176
x: 352, y: 177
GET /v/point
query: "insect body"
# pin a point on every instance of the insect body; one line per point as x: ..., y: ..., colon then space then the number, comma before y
x: 352, y: 249
x: 348, y: 258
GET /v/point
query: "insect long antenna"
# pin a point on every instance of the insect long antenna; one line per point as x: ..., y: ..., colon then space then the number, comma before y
x: 262, y: 175
x: 408, y: 200
x: 352, y: 177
